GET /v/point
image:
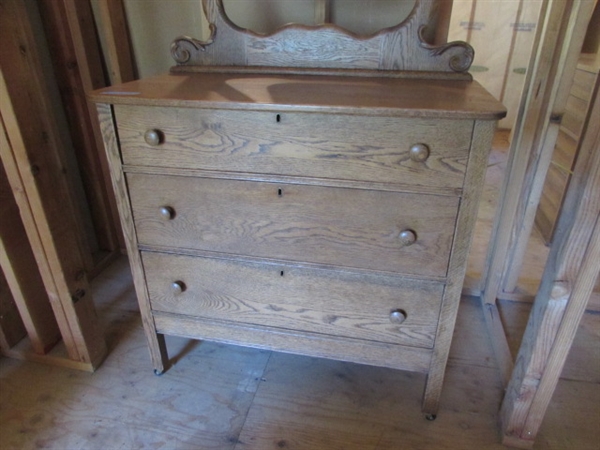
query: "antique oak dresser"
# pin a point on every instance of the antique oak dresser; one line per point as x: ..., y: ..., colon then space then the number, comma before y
x: 309, y: 191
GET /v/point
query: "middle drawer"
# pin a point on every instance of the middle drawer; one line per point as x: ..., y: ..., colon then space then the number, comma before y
x: 378, y: 230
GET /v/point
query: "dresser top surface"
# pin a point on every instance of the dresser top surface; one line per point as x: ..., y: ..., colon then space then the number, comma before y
x: 453, y: 99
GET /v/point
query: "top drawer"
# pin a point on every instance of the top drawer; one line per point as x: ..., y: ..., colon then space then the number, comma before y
x: 371, y: 149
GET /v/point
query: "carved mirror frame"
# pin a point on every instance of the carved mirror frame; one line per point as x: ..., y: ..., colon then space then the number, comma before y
x: 407, y: 47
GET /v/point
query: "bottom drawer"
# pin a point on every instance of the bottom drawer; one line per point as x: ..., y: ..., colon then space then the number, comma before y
x: 368, y: 307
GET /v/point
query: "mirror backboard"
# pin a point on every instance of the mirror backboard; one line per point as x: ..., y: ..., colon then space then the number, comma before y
x: 363, y: 17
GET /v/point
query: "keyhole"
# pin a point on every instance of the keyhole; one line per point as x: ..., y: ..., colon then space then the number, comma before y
x: 280, y: 192
x: 278, y: 118
x: 281, y: 273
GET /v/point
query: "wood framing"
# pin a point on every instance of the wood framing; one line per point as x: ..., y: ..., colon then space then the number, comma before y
x: 116, y: 37
x: 567, y: 283
x: 38, y: 173
x: 562, y: 73
x: 533, y: 141
x: 12, y: 329
x: 77, y: 64
x: 22, y: 275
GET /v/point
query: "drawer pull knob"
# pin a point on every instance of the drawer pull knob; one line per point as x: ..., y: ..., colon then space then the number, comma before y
x: 398, y: 316
x: 178, y: 287
x: 167, y: 213
x: 419, y: 152
x: 407, y: 237
x: 153, y: 137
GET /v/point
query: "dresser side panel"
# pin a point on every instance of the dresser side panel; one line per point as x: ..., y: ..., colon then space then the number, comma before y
x: 483, y: 133
x: 156, y: 341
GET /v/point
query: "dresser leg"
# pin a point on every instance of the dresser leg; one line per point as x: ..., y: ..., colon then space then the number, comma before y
x: 158, y: 353
x: 431, y: 397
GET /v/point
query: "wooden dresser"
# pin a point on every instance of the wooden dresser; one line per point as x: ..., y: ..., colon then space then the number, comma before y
x: 322, y: 212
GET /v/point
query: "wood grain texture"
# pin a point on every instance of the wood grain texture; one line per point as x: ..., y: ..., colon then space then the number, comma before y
x: 286, y: 196
x: 156, y: 343
x: 325, y: 48
x: 74, y: 49
x: 499, y: 342
x: 401, y: 357
x: 339, y: 227
x: 116, y: 37
x: 524, y: 35
x: 565, y: 153
x: 38, y: 166
x: 22, y: 274
x: 364, y: 96
x: 407, y: 46
x: 562, y: 69
x: 533, y: 120
x: 483, y: 134
x: 289, y: 298
x: 315, y: 145
x: 567, y: 283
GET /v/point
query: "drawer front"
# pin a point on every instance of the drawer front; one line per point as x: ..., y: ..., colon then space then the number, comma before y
x: 376, y: 308
x: 329, y: 146
x: 324, y: 225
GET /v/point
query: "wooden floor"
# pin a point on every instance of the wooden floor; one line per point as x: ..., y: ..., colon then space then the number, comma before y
x: 224, y: 397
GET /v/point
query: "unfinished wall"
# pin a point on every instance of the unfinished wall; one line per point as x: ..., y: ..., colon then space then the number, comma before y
x: 502, y: 34
x: 153, y: 24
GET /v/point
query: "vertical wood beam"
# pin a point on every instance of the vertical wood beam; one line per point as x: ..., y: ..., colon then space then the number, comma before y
x: 562, y: 73
x: 38, y: 173
x: 77, y: 63
x: 116, y: 37
x: 22, y: 275
x: 12, y: 329
x: 533, y: 115
x: 499, y: 342
x: 322, y: 11
x: 567, y: 284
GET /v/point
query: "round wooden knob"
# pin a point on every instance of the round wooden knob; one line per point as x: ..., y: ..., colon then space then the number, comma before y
x: 167, y: 213
x: 177, y: 287
x: 419, y: 152
x: 407, y: 237
x: 398, y: 316
x: 153, y: 137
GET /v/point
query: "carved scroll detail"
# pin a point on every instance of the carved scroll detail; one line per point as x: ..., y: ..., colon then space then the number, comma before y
x: 404, y: 48
x: 459, y: 62
x: 181, y: 54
